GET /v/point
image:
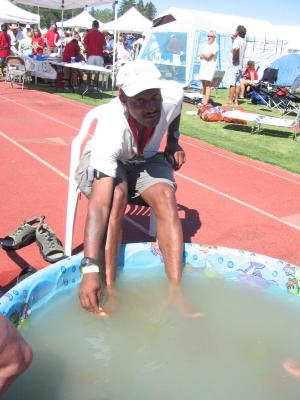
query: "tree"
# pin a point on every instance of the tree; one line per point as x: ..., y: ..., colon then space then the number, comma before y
x: 125, y: 6
x: 150, y: 11
x: 48, y: 15
x: 105, y: 15
x: 140, y: 7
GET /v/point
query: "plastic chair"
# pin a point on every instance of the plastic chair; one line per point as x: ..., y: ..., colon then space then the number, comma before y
x: 73, y: 191
x: 16, y: 70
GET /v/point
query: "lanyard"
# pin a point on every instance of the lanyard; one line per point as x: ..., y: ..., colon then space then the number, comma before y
x: 146, y: 138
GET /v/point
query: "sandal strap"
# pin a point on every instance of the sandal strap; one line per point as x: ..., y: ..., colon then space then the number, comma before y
x: 48, y: 240
x: 26, y: 227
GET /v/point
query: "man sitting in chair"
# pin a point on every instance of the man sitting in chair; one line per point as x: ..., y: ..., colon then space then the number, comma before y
x: 127, y: 165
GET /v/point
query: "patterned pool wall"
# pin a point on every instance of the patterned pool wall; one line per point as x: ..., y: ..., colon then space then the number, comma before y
x: 19, y: 302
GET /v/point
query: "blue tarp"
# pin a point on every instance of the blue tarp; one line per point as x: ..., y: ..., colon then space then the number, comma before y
x: 289, y: 69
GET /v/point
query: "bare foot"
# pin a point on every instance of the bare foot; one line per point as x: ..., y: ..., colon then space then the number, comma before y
x: 292, y: 367
x: 181, y: 304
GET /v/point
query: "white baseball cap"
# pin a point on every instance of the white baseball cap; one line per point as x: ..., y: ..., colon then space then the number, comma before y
x: 136, y: 76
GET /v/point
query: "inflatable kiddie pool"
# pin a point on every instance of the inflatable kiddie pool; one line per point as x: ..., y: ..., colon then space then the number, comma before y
x: 27, y: 296
x: 225, y: 355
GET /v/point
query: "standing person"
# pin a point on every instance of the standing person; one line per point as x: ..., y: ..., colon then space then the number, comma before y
x: 4, y: 46
x: 25, y: 44
x: 127, y: 164
x: 236, y: 63
x: 16, y: 35
x: 71, y: 76
x: 94, y: 42
x: 249, y: 77
x: 174, y: 48
x: 52, y: 38
x: 208, y: 64
x: 15, y: 354
x: 37, y: 42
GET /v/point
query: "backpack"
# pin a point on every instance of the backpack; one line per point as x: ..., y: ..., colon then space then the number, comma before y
x: 258, y: 98
x: 84, y: 174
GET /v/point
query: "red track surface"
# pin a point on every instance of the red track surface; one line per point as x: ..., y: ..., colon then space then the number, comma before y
x: 224, y: 199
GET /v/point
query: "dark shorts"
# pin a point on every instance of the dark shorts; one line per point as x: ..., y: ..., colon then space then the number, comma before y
x: 141, y: 176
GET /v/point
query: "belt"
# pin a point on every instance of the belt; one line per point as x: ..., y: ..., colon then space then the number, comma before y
x: 138, y: 161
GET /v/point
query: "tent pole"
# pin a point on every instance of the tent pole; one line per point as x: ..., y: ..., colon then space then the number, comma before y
x: 114, y: 50
x: 62, y: 26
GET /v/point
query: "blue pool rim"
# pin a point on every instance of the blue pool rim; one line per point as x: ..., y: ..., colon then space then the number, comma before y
x: 27, y: 296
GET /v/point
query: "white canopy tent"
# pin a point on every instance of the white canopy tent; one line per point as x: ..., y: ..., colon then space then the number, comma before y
x: 131, y: 21
x: 83, y: 20
x: 69, y: 5
x: 264, y: 44
x: 11, y: 13
x: 65, y: 4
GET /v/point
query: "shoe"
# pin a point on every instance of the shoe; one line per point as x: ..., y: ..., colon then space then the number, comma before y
x: 50, y: 246
x: 25, y: 273
x: 23, y: 235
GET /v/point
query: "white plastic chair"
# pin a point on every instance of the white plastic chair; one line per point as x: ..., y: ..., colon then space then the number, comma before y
x: 16, y: 71
x: 73, y: 191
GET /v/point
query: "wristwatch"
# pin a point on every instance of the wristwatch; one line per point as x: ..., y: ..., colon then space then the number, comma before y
x: 176, y: 134
x: 88, y: 265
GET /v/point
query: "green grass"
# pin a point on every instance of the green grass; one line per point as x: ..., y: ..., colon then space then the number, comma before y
x: 273, y: 146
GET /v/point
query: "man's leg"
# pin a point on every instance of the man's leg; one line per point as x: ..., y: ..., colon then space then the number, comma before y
x: 114, y: 231
x: 208, y: 91
x: 231, y: 94
x: 161, y: 197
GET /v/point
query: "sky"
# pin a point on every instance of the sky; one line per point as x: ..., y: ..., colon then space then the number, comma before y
x: 280, y: 12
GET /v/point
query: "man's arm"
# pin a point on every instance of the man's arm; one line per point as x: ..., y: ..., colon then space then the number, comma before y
x: 173, y: 149
x: 236, y: 56
x: 99, y: 207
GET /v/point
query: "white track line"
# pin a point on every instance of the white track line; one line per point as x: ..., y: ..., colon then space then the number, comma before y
x: 35, y: 156
x: 57, y: 171
x: 239, y: 161
x: 234, y: 199
x: 42, y: 114
x: 227, y: 196
x: 182, y: 141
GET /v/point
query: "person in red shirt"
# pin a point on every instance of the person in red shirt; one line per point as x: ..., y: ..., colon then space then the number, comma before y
x: 4, y: 46
x: 94, y: 42
x: 37, y: 42
x: 52, y: 37
x: 72, y: 49
x: 250, y: 76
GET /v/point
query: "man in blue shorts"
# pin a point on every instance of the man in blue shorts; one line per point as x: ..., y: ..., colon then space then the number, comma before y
x: 234, y: 72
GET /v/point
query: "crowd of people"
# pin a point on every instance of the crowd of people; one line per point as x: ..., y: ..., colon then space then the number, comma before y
x: 92, y: 45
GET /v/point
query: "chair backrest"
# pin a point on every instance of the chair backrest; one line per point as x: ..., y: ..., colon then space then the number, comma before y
x: 295, y: 84
x: 217, y: 79
x: 15, y: 63
x: 270, y: 75
x: 73, y: 190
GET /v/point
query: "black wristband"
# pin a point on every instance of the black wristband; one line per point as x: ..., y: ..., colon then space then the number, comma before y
x: 86, y: 261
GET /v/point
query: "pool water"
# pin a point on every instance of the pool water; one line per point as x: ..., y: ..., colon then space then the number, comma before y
x: 148, y: 350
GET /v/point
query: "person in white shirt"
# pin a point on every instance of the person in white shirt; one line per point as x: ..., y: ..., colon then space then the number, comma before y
x: 208, y: 65
x: 127, y: 165
x: 235, y: 69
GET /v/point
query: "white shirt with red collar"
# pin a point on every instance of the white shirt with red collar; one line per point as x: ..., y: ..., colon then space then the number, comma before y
x: 113, y: 139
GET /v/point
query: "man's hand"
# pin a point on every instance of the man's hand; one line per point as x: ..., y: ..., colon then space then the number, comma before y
x: 175, y: 155
x: 91, y: 293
